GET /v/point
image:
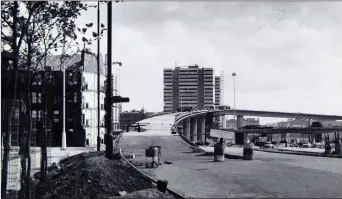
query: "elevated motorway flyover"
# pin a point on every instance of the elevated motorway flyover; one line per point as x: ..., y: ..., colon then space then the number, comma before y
x: 196, y: 175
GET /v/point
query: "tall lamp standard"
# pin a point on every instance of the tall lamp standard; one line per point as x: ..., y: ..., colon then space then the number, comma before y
x: 234, y: 75
x: 64, y: 138
x: 98, y: 78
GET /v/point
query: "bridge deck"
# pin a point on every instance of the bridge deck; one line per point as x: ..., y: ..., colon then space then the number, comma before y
x: 277, y: 114
x: 286, y: 130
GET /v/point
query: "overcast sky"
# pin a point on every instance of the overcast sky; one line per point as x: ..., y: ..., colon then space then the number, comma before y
x: 287, y: 56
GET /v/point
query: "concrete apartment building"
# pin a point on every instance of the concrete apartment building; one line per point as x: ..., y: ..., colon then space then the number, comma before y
x: 190, y: 86
x: 219, y: 89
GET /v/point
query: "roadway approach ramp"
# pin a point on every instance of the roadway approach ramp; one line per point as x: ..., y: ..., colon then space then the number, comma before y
x: 196, y: 175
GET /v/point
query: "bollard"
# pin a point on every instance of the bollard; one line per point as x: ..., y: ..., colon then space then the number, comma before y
x: 219, y: 149
x: 338, y: 147
x: 248, y: 149
x: 109, y: 146
x: 162, y: 185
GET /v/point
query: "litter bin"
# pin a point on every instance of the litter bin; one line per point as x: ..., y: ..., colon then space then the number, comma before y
x: 219, y: 149
x: 248, y: 149
x: 327, y: 149
x: 162, y: 185
x: 152, y: 156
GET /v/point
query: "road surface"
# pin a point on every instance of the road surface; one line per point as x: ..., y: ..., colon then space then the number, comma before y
x: 268, y: 175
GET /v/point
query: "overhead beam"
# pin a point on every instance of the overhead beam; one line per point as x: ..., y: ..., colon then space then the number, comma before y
x: 286, y: 130
x: 277, y: 114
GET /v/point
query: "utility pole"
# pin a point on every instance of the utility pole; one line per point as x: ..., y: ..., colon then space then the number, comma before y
x: 110, y: 99
x: 98, y: 78
x: 109, y: 89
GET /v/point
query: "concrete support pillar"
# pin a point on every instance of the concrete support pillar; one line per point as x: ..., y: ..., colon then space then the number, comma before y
x: 224, y: 122
x: 186, y: 128
x: 217, y: 120
x: 209, y: 118
x: 201, y: 128
x: 193, y: 129
x: 239, y: 138
x: 239, y: 121
x: 312, y: 136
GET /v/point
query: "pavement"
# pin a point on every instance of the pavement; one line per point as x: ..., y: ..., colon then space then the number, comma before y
x: 268, y: 175
x: 316, y: 150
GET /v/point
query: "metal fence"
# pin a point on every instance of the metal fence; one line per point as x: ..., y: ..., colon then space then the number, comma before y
x: 12, y: 137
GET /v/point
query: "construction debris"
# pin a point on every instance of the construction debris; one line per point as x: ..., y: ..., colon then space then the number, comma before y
x: 91, y: 175
x: 122, y: 193
x: 147, y: 193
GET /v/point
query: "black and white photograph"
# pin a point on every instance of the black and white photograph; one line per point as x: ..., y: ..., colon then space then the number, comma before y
x: 171, y: 99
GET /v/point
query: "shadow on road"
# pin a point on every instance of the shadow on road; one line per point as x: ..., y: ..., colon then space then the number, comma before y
x: 228, y: 156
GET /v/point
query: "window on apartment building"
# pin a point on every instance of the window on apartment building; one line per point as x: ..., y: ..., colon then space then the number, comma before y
x: 87, y: 122
x: 102, y: 106
x: 75, y: 97
x: 37, y: 80
x: 39, y: 98
x: 70, y: 78
x: 34, y: 114
x: 40, y: 115
x: 86, y: 86
x: 56, y: 116
x: 83, y: 118
x: 75, y: 78
x: 87, y: 142
x: 87, y: 105
x: 34, y: 97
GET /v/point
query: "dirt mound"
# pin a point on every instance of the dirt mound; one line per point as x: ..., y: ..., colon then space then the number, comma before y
x: 91, y: 175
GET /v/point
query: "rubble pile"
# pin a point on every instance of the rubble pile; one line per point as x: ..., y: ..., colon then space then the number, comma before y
x: 91, y: 175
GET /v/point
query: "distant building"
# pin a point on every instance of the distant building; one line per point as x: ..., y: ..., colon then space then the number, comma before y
x: 247, y: 121
x: 132, y: 117
x: 191, y: 86
x: 251, y: 121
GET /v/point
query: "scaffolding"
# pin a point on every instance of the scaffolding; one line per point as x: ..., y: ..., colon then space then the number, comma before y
x: 49, y: 141
x: 10, y: 126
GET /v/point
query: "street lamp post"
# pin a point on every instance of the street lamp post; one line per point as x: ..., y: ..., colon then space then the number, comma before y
x: 234, y: 75
x: 64, y: 142
x: 98, y: 78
